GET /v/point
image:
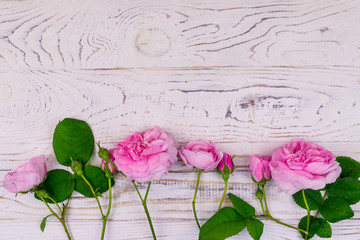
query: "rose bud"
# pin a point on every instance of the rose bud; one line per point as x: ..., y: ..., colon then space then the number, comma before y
x: 27, y: 176
x: 77, y: 168
x: 226, y: 166
x: 107, y: 157
x: 259, y: 166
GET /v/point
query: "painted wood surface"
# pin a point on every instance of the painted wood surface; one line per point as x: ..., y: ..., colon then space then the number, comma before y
x: 247, y: 75
x: 176, y: 33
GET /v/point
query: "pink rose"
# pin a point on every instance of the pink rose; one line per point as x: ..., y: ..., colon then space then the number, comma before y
x: 259, y: 165
x: 111, y: 157
x: 301, y: 165
x: 145, y: 157
x: 26, y: 176
x: 201, y: 154
x: 226, y: 161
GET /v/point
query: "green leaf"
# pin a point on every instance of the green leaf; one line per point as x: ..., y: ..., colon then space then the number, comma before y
x: 255, y: 228
x: 242, y: 207
x: 349, y: 166
x: 314, y: 226
x: 317, y: 226
x: 59, y: 184
x: 347, y: 189
x: 335, y: 210
x: 97, y: 180
x: 225, y: 223
x: 324, y: 229
x: 313, y: 198
x: 73, y: 139
x: 43, y: 222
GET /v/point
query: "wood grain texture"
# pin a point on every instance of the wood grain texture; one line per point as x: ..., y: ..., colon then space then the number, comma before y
x: 110, y: 34
x: 220, y: 104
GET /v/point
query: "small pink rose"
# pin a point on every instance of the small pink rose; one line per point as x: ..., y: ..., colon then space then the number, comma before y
x: 303, y: 165
x: 259, y: 166
x: 201, y: 154
x: 226, y: 161
x: 111, y: 157
x: 146, y: 156
x: 26, y: 176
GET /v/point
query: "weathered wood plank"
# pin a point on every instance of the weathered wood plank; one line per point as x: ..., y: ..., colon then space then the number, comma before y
x: 111, y: 33
x: 139, y: 230
x: 230, y: 105
x: 116, y: 230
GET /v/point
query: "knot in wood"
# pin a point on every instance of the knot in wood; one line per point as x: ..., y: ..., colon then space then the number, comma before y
x: 153, y: 42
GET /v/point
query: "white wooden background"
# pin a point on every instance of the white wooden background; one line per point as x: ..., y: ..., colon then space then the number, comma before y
x: 249, y: 75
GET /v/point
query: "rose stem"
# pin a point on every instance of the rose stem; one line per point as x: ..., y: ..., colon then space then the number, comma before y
x: 143, y: 201
x: 308, y: 214
x: 273, y: 219
x: 108, y: 211
x: 65, y: 208
x: 224, y: 194
x: 55, y: 203
x: 97, y: 200
x: 57, y: 216
x: 107, y: 160
x: 193, y: 202
x: 62, y: 213
x: 282, y: 223
x: 322, y: 201
x: 262, y: 206
x: 265, y: 201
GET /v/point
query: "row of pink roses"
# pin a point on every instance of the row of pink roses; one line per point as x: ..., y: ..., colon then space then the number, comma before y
x: 294, y: 166
x: 144, y: 157
x: 141, y: 157
x: 148, y: 156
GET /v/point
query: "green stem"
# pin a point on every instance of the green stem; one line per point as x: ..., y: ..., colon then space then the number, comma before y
x: 265, y: 201
x: 143, y: 201
x: 268, y: 215
x: 147, y: 191
x: 56, y: 204
x: 322, y: 201
x: 57, y: 216
x: 282, y: 223
x: 262, y: 207
x: 103, y: 217
x: 108, y: 211
x: 308, y: 214
x: 94, y: 194
x: 65, y: 208
x: 193, y: 202
x: 224, y: 194
x: 137, y: 190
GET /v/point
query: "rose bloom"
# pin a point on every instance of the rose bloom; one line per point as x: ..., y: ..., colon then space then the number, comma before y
x: 26, y: 176
x: 201, y: 154
x: 111, y: 158
x: 303, y: 165
x: 259, y: 166
x: 146, y: 156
